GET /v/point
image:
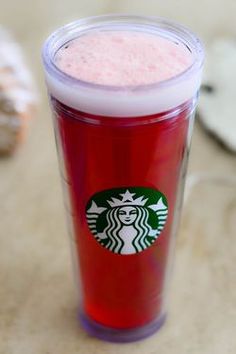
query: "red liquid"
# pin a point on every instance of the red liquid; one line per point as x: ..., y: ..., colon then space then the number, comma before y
x: 101, y: 153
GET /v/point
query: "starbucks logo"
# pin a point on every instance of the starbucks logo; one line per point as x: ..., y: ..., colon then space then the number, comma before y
x: 127, y: 220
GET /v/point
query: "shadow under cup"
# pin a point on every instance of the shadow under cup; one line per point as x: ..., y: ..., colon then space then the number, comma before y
x: 123, y: 154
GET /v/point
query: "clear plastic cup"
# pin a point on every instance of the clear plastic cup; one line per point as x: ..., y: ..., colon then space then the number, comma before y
x: 123, y: 155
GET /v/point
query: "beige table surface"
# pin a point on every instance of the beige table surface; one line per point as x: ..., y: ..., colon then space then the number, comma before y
x: 37, y: 301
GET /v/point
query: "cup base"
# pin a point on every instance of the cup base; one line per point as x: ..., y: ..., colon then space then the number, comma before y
x: 120, y: 335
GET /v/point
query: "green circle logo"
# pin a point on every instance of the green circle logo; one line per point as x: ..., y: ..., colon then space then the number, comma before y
x: 127, y: 220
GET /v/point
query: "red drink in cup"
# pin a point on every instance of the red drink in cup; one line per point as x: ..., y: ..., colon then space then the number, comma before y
x: 123, y: 92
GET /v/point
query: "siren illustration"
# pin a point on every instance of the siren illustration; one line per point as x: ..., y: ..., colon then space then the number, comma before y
x: 125, y: 220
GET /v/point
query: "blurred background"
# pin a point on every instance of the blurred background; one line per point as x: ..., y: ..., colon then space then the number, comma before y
x: 37, y: 304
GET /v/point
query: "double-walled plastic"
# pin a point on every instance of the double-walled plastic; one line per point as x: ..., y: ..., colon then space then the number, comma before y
x: 123, y: 153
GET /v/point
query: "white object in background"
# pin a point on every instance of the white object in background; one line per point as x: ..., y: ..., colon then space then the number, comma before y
x: 17, y: 93
x: 217, y: 104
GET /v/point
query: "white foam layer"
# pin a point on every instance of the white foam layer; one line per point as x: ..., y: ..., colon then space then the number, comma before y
x: 124, y: 103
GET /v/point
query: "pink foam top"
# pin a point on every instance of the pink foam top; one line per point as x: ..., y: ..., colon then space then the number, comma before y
x: 122, y: 58
x: 123, y: 71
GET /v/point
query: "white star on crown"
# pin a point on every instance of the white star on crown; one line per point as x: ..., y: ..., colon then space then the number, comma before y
x: 127, y: 199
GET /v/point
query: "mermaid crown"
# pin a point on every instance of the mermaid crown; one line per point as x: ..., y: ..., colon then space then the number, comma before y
x: 127, y: 199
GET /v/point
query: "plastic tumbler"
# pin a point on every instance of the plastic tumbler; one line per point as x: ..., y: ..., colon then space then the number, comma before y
x: 123, y: 140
